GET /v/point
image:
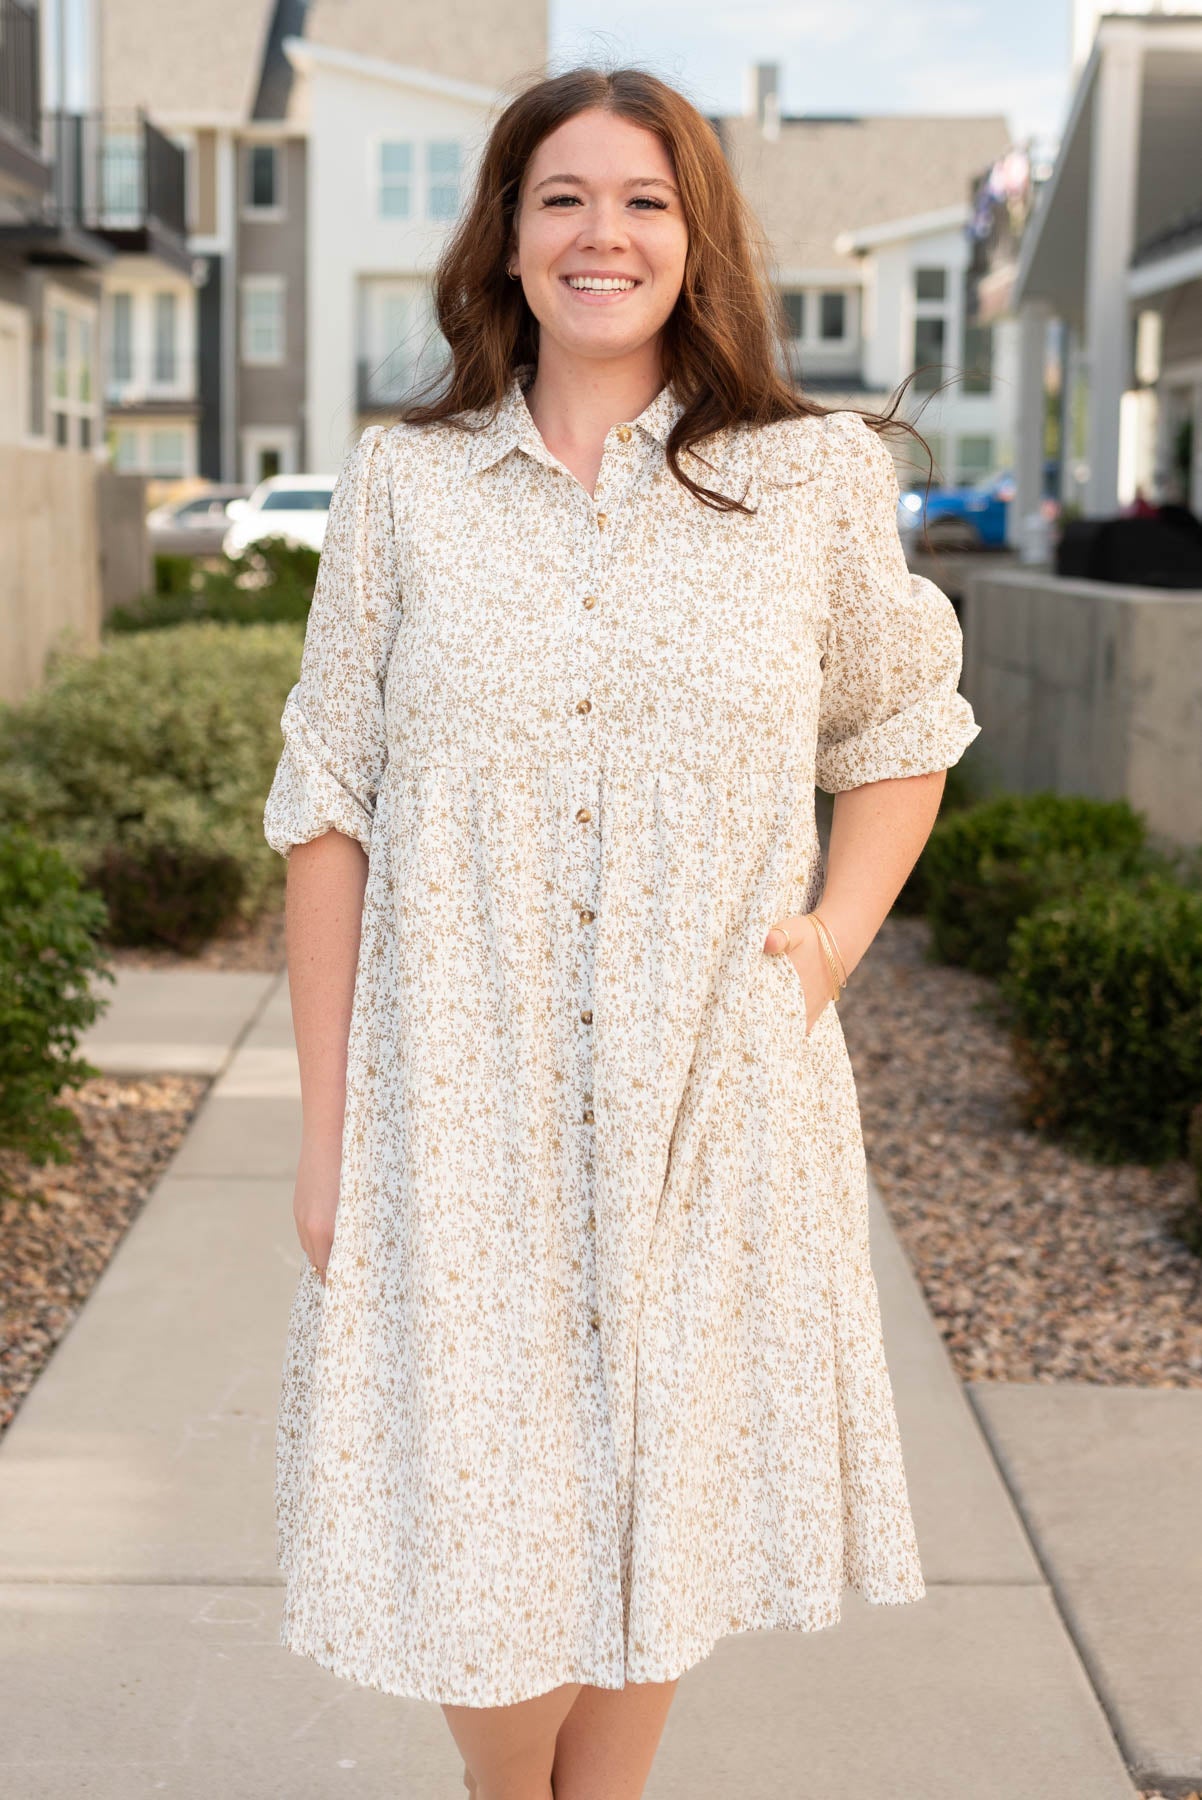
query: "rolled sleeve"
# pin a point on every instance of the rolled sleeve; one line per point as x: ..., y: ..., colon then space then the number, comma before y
x: 889, y: 703
x: 335, y: 740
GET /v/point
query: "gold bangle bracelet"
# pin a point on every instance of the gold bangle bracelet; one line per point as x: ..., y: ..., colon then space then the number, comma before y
x: 835, y: 943
x: 830, y: 961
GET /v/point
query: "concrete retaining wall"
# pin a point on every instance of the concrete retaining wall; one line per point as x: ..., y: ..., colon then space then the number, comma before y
x: 49, y: 560
x: 1088, y: 688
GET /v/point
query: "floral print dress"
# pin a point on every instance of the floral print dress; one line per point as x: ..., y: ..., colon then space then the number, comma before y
x: 596, y: 1376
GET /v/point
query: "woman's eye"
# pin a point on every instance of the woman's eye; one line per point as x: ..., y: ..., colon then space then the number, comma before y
x: 637, y: 200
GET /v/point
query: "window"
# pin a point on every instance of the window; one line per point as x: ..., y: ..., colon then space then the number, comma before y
x: 928, y: 353
x: 930, y: 284
x: 401, y: 343
x: 833, y: 317
x: 974, y: 457
x: 442, y: 185
x: 121, y: 176
x: 167, y: 453
x: 126, y: 457
x: 977, y: 355
x: 121, y: 344
x: 83, y: 368
x: 61, y: 352
x: 297, y: 500
x: 70, y: 372
x: 165, y: 312
x: 263, y: 319
x: 262, y: 177
x: 794, y: 303
x: 396, y: 172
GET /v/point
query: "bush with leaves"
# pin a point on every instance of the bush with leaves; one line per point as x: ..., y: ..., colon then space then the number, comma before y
x: 50, y: 957
x: 1106, y: 992
x: 271, y: 582
x: 988, y: 866
x: 148, y: 766
x: 960, y: 790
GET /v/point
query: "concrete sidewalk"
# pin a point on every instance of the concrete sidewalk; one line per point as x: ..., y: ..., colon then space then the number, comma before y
x: 139, y: 1598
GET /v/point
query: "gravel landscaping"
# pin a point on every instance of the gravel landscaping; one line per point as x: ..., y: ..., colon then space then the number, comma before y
x: 1038, y: 1264
x: 60, y: 1223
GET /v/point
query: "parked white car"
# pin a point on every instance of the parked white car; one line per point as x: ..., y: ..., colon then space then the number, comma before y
x: 294, y: 507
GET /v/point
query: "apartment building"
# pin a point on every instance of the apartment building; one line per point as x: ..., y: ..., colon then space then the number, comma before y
x: 866, y: 220
x: 327, y: 144
x: 87, y: 190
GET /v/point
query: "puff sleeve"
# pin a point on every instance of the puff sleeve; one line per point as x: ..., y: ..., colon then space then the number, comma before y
x: 889, y: 705
x: 335, y: 745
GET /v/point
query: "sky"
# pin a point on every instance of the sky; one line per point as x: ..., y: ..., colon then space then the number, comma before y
x: 841, y: 56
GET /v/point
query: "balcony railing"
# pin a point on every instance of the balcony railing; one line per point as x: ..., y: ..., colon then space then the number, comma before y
x: 20, y: 77
x: 114, y: 173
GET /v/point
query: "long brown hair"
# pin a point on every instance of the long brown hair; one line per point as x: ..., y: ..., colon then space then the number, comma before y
x: 724, y: 343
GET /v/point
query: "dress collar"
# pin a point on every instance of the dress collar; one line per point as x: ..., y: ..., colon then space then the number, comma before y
x: 512, y: 427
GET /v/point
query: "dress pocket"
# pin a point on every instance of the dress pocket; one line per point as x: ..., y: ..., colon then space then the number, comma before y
x: 793, y: 984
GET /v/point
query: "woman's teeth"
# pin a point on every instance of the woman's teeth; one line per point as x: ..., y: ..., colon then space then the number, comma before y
x: 608, y: 284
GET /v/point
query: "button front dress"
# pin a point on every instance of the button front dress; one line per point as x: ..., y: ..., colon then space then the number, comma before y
x: 597, y: 1375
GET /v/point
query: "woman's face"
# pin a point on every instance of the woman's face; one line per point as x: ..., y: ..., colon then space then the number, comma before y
x: 599, y: 200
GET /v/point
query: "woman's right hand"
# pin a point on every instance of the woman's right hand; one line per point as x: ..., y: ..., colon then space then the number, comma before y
x: 315, y: 1200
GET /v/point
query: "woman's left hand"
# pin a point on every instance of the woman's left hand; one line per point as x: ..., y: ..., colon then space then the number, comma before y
x: 808, y: 960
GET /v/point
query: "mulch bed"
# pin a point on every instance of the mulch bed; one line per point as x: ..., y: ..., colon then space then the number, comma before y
x: 60, y: 1223
x: 1038, y: 1264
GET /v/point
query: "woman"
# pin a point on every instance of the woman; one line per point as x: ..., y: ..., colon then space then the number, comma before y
x: 585, y: 1368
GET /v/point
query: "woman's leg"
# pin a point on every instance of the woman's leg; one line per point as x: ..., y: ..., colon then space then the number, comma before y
x: 509, y: 1749
x: 608, y: 1741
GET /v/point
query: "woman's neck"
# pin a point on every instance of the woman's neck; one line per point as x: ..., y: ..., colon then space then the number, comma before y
x: 575, y: 401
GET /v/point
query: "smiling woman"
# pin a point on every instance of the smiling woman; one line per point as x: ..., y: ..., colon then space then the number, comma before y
x: 585, y: 1367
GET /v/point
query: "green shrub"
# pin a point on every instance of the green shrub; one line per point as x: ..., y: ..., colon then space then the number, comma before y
x: 271, y: 583
x: 148, y: 766
x: 988, y: 866
x: 1106, y: 992
x: 49, y: 953
x: 959, y: 792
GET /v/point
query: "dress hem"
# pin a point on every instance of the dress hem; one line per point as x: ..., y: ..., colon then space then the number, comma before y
x: 819, y: 1618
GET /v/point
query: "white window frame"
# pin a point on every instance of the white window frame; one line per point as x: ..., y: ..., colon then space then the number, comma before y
x: 262, y: 284
x: 811, y: 307
x: 248, y: 210
x: 70, y: 406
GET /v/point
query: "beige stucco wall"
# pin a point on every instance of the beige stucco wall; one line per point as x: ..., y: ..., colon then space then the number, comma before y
x: 1088, y: 688
x: 49, y: 560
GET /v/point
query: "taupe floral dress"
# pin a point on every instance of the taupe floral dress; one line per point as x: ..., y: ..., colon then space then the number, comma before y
x: 597, y: 1374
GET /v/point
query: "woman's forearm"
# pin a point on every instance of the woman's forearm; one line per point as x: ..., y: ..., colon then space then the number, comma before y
x: 877, y: 835
x: 323, y: 915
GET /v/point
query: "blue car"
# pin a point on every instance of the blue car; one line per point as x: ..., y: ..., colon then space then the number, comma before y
x: 959, y: 518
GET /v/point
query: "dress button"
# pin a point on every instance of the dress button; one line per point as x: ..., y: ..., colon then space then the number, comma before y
x: 586, y: 1017
x: 624, y: 433
x: 595, y: 1321
x: 590, y: 1224
x: 602, y: 519
x: 589, y: 601
x: 586, y: 917
x: 583, y: 815
x: 583, y: 706
x: 588, y: 1115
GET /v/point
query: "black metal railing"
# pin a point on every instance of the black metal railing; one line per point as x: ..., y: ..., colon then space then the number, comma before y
x: 114, y: 171
x: 20, y: 70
